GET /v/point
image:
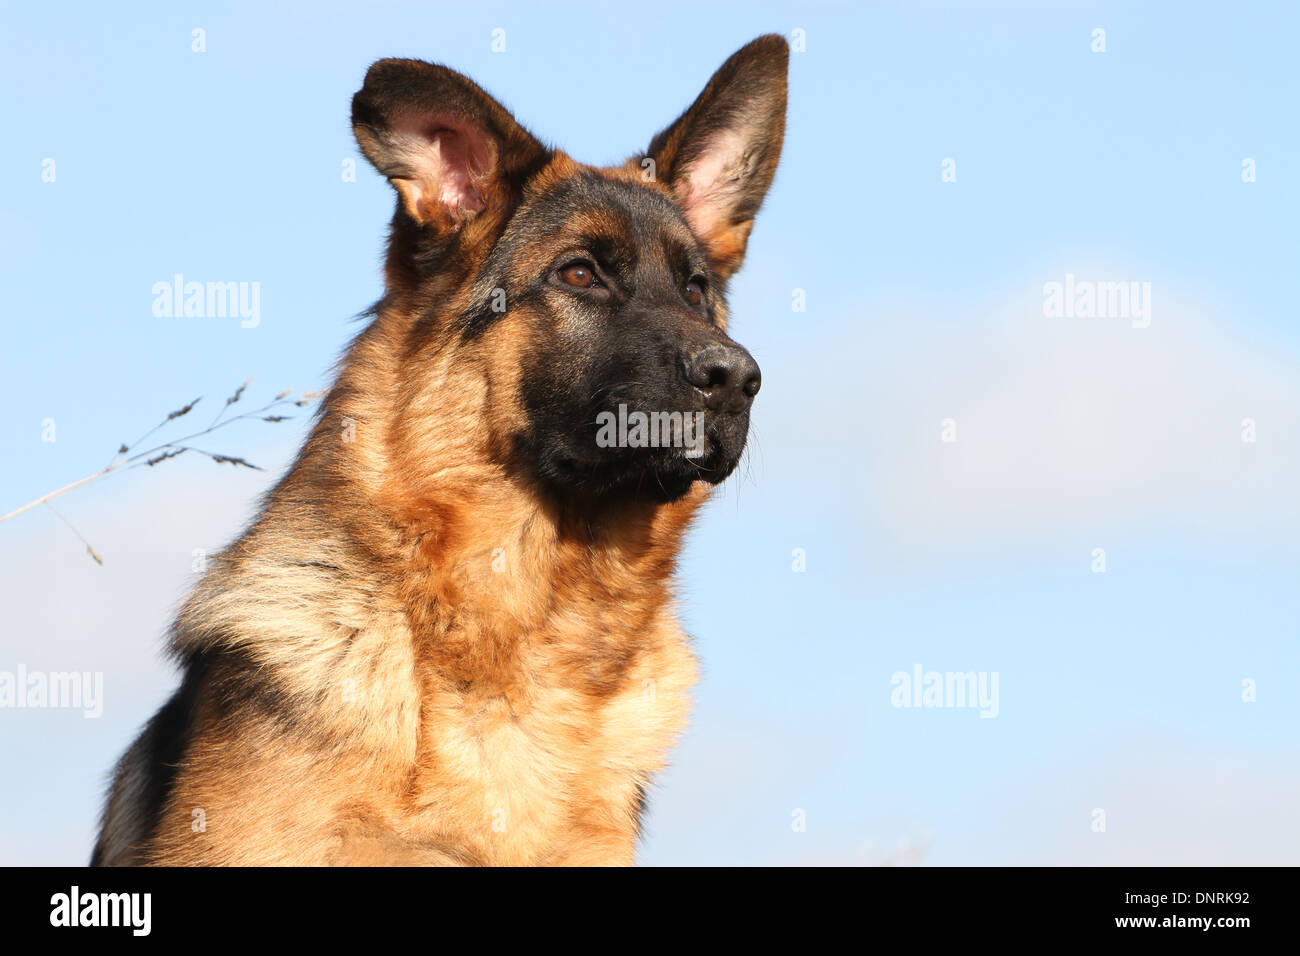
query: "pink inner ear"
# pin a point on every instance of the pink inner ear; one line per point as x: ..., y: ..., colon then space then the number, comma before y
x: 457, y: 160
x: 707, y: 189
x: 449, y: 157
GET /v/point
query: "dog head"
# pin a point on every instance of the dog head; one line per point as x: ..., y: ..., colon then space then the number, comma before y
x: 591, y: 302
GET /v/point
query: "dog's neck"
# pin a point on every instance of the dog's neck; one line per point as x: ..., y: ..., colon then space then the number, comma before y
x: 461, y: 529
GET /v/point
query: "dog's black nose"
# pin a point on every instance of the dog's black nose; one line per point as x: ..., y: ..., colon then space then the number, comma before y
x: 726, y: 375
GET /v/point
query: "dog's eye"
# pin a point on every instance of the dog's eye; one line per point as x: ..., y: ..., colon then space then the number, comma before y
x: 580, y: 275
x: 695, y: 291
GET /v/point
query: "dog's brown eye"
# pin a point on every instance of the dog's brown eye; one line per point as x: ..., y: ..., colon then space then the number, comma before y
x: 578, y: 275
x: 694, y: 292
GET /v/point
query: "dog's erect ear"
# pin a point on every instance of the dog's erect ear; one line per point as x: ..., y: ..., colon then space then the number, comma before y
x: 449, y: 148
x: 720, y: 156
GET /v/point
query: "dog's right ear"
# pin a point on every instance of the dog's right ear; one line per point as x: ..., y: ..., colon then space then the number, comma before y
x: 451, y: 150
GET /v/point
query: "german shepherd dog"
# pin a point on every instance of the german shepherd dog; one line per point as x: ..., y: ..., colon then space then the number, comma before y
x: 449, y: 635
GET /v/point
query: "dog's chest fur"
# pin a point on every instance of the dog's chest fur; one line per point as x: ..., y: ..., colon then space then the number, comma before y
x: 551, y: 766
x: 446, y: 715
x: 553, y: 680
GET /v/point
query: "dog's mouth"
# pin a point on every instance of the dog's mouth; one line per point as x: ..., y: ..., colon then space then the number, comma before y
x: 662, y: 478
x: 660, y: 474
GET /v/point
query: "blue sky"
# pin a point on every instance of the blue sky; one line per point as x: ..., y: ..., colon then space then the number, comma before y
x: 1120, y: 690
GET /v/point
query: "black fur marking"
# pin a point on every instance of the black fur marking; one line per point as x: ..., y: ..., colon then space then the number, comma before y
x: 651, y: 224
x: 160, y: 749
x: 225, y: 679
x: 639, y: 807
x: 168, y: 737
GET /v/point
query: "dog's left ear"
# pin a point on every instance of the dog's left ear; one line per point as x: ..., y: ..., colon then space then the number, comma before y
x: 721, y: 154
